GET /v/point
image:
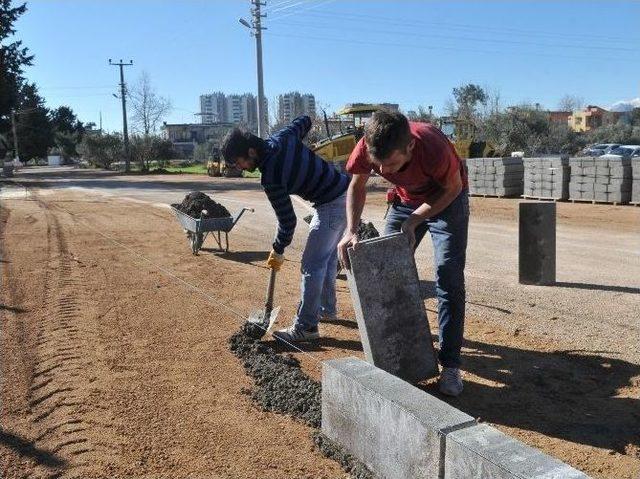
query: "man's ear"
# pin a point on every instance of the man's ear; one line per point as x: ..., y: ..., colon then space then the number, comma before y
x: 252, y: 153
x: 411, y: 144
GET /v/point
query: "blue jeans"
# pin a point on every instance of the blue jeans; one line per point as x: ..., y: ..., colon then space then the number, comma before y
x: 449, y: 235
x: 320, y: 263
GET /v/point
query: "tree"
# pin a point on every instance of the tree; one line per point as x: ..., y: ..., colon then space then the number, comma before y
x: 145, y: 149
x: 35, y: 136
x: 570, y: 103
x: 67, y: 131
x: 13, y: 58
x: 148, y: 108
x: 422, y: 114
x: 204, y: 151
x: 467, y: 99
x: 101, y: 150
x: 521, y: 128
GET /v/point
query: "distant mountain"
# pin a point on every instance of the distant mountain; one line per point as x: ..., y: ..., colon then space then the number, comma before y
x: 625, y: 105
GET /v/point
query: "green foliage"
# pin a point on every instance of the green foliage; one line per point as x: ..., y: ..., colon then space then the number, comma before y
x: 102, y: 150
x: 204, y: 151
x: 527, y: 129
x: 33, y: 125
x: 13, y: 58
x: 67, y: 131
x: 625, y: 134
x: 468, y: 98
x: 422, y: 114
x: 145, y: 149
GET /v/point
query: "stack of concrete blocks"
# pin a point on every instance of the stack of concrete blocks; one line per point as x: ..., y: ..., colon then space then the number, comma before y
x: 635, y: 181
x: 496, y: 176
x: 546, y: 178
x: 600, y: 179
x: 389, y: 308
x: 399, y: 431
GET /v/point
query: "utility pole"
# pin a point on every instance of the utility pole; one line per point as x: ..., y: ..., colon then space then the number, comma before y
x: 256, y: 30
x: 123, y: 96
x: 16, y: 155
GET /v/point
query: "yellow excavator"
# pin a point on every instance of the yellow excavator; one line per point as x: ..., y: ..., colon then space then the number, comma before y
x: 216, y: 166
x: 337, y: 148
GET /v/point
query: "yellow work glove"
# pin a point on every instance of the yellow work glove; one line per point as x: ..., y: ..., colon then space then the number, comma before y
x: 275, y: 260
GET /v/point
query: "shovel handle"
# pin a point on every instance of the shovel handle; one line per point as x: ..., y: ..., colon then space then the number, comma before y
x: 268, y: 306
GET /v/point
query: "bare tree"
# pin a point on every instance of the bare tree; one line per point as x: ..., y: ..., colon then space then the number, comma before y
x: 148, y: 107
x: 570, y: 103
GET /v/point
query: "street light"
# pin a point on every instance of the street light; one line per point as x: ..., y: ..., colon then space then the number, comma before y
x: 244, y: 22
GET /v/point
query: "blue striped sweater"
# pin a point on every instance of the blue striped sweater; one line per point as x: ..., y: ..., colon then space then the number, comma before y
x: 288, y: 168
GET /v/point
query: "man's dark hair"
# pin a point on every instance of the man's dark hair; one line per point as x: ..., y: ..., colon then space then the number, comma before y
x: 385, y: 132
x: 237, y: 143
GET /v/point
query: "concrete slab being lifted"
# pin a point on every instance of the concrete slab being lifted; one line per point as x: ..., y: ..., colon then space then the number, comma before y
x: 389, y: 308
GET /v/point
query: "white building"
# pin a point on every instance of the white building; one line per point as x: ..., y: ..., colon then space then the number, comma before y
x: 294, y: 104
x: 213, y: 108
x: 240, y: 109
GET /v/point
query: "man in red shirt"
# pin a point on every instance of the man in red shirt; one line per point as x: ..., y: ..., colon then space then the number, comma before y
x: 432, y: 195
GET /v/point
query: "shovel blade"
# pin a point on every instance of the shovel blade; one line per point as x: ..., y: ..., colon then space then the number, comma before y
x: 264, y: 323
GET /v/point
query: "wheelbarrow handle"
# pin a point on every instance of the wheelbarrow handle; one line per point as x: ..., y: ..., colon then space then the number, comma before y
x: 268, y: 306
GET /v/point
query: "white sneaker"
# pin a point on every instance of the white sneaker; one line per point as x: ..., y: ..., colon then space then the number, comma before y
x: 450, y: 382
x: 296, y: 335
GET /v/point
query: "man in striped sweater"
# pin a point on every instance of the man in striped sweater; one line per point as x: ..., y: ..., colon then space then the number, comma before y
x: 288, y: 168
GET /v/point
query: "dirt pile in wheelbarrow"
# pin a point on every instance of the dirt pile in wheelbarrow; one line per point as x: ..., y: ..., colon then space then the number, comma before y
x: 195, y: 202
x: 365, y: 230
x: 282, y: 387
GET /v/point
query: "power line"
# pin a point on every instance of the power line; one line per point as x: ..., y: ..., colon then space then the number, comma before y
x: 278, y: 4
x: 75, y: 87
x: 463, y: 38
x: 287, y: 7
x: 437, y: 48
x: 475, y: 28
x: 311, y: 7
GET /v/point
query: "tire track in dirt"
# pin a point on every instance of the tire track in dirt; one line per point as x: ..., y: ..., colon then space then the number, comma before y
x: 57, y: 394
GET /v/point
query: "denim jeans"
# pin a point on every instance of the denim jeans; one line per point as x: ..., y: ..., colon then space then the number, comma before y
x: 449, y: 235
x: 320, y: 263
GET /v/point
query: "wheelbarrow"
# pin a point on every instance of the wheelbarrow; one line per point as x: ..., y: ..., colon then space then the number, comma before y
x: 198, y: 229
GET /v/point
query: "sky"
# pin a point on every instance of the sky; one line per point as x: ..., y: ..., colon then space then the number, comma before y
x: 407, y: 52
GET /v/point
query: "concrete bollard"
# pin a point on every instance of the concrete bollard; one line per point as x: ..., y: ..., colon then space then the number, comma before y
x: 389, y: 308
x: 537, y: 243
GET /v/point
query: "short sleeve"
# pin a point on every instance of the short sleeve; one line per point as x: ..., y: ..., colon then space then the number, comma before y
x: 358, y: 163
x: 441, y: 160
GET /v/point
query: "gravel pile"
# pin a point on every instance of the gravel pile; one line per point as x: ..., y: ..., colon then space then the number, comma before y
x: 281, y: 386
x: 365, y: 230
x: 195, y: 202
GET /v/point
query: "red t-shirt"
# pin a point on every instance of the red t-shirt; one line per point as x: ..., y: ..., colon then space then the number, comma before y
x: 433, y: 161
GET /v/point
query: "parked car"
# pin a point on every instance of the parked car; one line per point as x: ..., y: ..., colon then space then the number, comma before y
x: 599, y: 149
x: 625, y: 151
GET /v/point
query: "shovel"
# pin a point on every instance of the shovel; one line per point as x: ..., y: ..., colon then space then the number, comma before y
x: 262, y: 320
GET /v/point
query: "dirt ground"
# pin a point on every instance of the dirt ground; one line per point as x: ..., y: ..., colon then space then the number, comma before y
x: 115, y: 362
